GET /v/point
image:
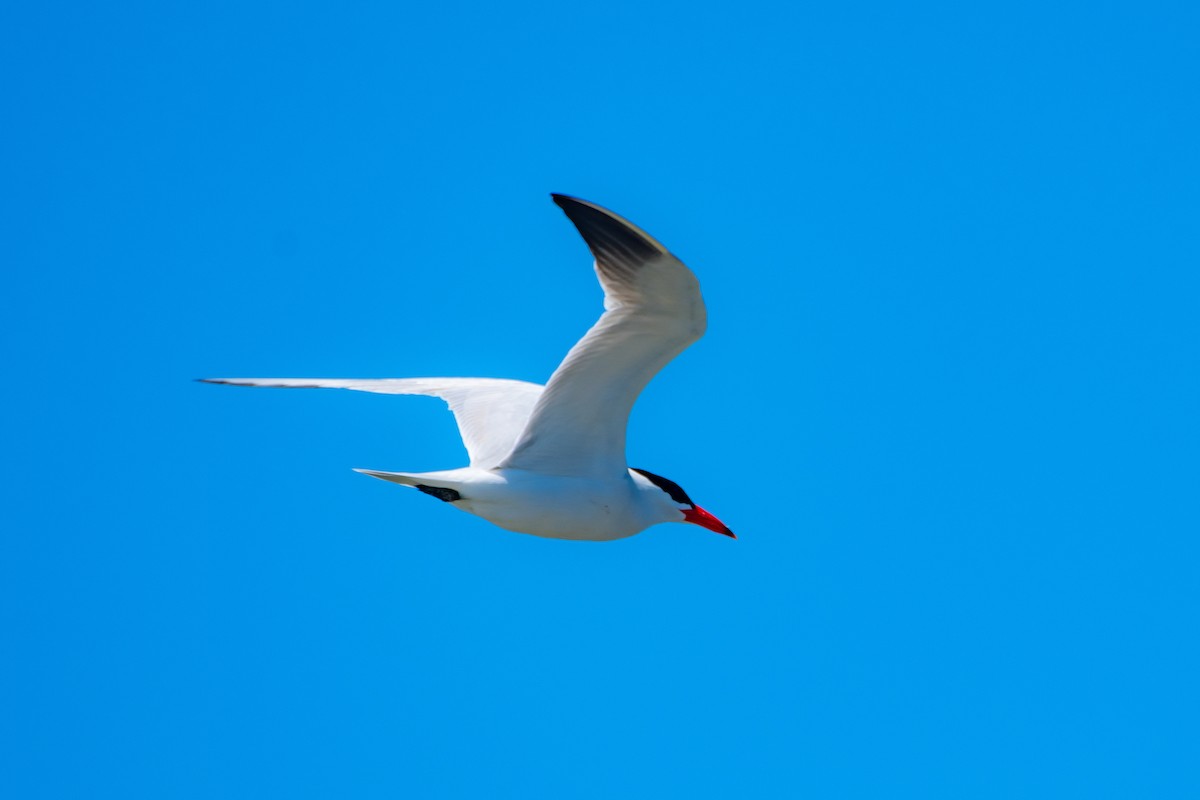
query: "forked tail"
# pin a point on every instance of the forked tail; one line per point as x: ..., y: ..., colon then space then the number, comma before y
x: 424, y: 482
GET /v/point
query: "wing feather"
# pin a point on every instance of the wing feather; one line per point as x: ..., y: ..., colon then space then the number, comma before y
x: 490, y: 412
x: 653, y: 311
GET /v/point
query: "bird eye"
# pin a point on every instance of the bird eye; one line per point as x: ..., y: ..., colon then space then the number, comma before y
x: 673, y: 489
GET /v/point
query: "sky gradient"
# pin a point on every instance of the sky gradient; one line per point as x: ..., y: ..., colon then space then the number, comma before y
x: 947, y: 398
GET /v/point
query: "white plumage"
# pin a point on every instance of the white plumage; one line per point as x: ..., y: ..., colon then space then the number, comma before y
x: 550, y: 461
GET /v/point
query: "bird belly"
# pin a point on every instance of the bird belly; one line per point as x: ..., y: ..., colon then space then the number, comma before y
x: 556, y: 507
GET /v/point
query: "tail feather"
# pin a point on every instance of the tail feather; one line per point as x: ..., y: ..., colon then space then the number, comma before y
x: 429, y: 482
x: 404, y: 478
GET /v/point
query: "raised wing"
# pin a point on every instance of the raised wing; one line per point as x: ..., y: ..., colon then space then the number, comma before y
x: 653, y: 311
x: 491, y: 413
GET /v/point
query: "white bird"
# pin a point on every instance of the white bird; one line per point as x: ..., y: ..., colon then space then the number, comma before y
x: 550, y: 460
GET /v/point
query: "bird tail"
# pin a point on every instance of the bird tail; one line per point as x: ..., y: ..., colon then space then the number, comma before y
x: 431, y: 483
x: 405, y: 478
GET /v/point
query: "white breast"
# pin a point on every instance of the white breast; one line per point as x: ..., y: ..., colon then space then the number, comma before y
x: 560, y: 507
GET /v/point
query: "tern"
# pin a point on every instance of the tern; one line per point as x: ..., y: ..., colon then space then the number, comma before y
x: 550, y: 460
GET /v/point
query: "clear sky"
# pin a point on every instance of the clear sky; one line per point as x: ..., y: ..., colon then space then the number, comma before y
x: 948, y: 399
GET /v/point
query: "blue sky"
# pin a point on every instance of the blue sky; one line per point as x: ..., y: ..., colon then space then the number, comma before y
x: 948, y: 400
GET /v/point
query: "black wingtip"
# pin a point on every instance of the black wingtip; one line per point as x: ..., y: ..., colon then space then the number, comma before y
x: 563, y: 200
x: 609, y: 236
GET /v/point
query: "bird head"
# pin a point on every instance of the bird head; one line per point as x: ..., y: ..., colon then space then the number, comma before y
x: 679, y: 499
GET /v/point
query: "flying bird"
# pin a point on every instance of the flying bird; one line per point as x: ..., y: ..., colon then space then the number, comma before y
x: 550, y: 460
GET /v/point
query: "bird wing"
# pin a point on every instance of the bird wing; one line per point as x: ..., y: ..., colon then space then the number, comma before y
x: 490, y: 412
x: 653, y: 311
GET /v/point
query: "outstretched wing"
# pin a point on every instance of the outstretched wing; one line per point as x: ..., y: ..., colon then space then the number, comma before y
x: 491, y: 413
x: 653, y: 310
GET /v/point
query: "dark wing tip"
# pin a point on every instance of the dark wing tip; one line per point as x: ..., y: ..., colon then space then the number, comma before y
x: 614, y: 241
x: 223, y: 381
